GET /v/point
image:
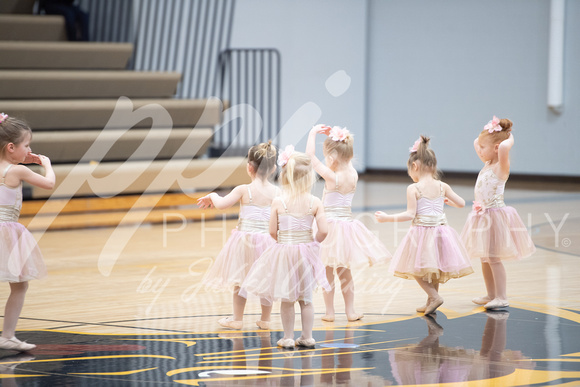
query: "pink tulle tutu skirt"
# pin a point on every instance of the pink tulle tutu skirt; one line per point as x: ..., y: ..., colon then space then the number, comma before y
x: 351, y: 244
x: 497, y: 233
x: 434, y: 254
x: 21, y: 258
x: 286, y: 272
x: 233, y: 263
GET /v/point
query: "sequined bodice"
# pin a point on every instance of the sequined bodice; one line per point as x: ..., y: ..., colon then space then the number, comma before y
x: 10, y: 200
x: 429, y: 211
x: 489, y: 189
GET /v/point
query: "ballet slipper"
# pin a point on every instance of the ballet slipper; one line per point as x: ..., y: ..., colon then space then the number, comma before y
x: 433, y: 305
x: 481, y: 300
x: 328, y: 318
x: 229, y: 322
x: 309, y: 343
x: 286, y: 343
x: 15, y: 344
x: 263, y: 324
x: 421, y: 309
x: 355, y: 317
x: 496, y: 304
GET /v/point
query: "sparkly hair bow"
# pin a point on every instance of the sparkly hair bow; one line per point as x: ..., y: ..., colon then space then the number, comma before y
x: 284, y: 156
x: 338, y: 134
x: 3, y: 116
x: 493, y: 125
x: 415, y: 146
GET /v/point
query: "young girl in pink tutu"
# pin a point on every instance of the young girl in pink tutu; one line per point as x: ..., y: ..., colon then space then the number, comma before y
x: 494, y: 232
x: 349, y: 242
x: 20, y: 258
x: 250, y: 238
x: 290, y: 269
x: 431, y: 253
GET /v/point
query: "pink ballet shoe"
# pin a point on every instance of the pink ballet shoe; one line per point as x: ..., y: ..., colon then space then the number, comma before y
x: 327, y: 318
x: 309, y: 343
x: 263, y: 324
x: 15, y: 344
x: 496, y: 304
x: 229, y: 322
x: 355, y: 317
x: 481, y: 300
x: 286, y: 343
x: 421, y: 309
x: 433, y: 305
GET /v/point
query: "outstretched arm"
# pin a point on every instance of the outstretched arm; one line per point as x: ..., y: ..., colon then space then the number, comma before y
x: 382, y: 217
x: 215, y: 200
x: 326, y: 173
x: 503, y: 155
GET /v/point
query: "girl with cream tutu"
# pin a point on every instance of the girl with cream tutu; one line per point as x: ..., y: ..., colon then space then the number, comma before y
x: 349, y: 243
x: 20, y: 258
x: 431, y: 253
x: 250, y: 238
x: 290, y: 269
x: 494, y: 232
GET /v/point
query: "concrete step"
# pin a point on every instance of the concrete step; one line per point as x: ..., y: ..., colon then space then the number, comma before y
x: 32, y: 27
x: 39, y: 84
x: 114, y: 178
x: 139, y: 144
x: 64, y: 55
x: 95, y: 113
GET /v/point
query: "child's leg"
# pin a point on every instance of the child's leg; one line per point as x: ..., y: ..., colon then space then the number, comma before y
x: 499, y: 279
x: 347, y: 287
x: 264, y: 321
x: 329, y: 296
x: 307, y: 312
x: 288, y: 318
x: 434, y: 300
x: 13, y: 308
x: 489, y: 280
x: 239, y: 305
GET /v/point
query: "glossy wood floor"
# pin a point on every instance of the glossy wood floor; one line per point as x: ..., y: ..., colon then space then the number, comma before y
x: 124, y: 306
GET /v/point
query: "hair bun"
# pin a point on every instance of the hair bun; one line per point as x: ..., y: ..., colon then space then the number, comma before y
x: 506, y: 124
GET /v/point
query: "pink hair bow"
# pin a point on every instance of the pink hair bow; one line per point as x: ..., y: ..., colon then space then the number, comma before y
x: 338, y: 134
x: 493, y: 125
x: 284, y: 156
x: 3, y: 117
x: 415, y: 146
x: 478, y: 208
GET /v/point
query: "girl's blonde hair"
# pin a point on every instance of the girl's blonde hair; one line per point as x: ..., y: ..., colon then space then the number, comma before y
x: 12, y: 130
x: 262, y: 159
x: 498, y: 136
x: 340, y: 150
x: 297, y: 176
x: 424, y: 157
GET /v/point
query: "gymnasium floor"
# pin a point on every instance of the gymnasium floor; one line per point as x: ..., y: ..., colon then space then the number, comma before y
x: 125, y: 307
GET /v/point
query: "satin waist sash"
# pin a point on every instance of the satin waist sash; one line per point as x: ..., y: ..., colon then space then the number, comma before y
x: 295, y: 237
x: 9, y: 214
x: 253, y: 225
x: 430, y: 220
x: 494, y: 202
x: 339, y: 213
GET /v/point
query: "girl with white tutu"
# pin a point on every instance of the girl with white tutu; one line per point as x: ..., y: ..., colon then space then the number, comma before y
x: 494, y: 232
x: 431, y: 253
x: 291, y: 269
x: 251, y: 236
x: 20, y: 257
x: 349, y: 243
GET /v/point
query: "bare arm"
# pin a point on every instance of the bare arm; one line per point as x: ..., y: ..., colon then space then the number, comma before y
x: 273, y: 225
x: 452, y: 198
x: 215, y: 200
x: 46, y: 182
x: 321, y: 222
x: 503, y: 155
x: 382, y: 217
x: 326, y: 173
